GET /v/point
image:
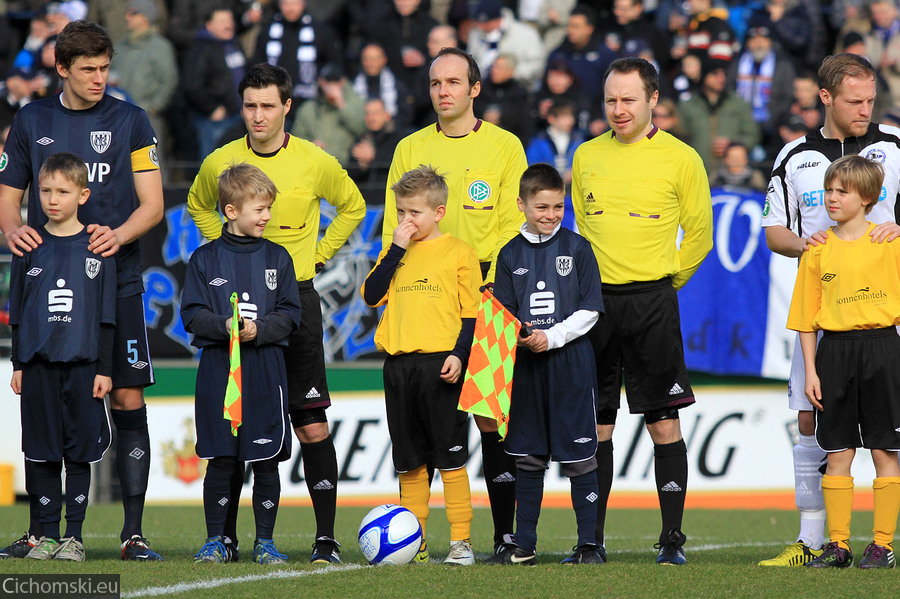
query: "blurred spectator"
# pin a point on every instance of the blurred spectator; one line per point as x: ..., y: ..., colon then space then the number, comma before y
x: 44, y: 79
x: 503, y: 100
x: 15, y: 92
x: 401, y: 27
x: 764, y: 78
x: 807, y: 105
x: 372, y: 152
x: 714, y: 118
x: 704, y: 31
x: 334, y: 118
x: 376, y: 80
x: 144, y: 66
x: 111, y: 15
x: 60, y: 14
x: 797, y: 27
x: 882, y: 44
x: 666, y: 117
x: 561, y: 85
x: 584, y: 51
x: 846, y: 16
x: 790, y: 127
x: 210, y: 80
x: 556, y: 144
x: 735, y: 170
x: 299, y: 44
x: 686, y: 79
x: 188, y: 16
x: 549, y: 17
x: 440, y: 36
x: 498, y: 32
x: 27, y: 58
x: 632, y: 25
x: 891, y: 117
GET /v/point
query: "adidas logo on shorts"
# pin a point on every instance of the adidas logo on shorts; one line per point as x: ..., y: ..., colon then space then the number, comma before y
x: 312, y: 394
x: 676, y: 389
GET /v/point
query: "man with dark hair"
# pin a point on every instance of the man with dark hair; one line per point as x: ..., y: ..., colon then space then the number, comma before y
x: 116, y: 141
x: 483, y: 164
x: 304, y: 173
x: 632, y: 216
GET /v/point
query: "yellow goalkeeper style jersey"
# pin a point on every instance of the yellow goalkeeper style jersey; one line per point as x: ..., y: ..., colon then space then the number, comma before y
x: 303, y: 173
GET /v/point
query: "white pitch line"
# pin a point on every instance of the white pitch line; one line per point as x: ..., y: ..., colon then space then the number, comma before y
x: 219, y: 582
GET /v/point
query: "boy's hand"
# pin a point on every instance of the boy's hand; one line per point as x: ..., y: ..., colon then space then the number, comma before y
x: 16, y: 383
x: 814, y: 390
x: 536, y: 341
x: 403, y: 233
x: 885, y: 232
x: 102, y: 386
x: 248, y: 333
x: 451, y: 370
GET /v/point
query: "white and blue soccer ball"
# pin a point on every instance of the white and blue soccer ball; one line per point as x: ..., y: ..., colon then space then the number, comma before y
x: 390, y: 534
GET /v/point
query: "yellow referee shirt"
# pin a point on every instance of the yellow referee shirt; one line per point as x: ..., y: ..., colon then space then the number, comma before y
x: 482, y: 170
x: 629, y: 200
x: 847, y: 285
x: 303, y: 173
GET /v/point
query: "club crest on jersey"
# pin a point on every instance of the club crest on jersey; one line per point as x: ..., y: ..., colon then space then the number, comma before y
x: 4, y: 160
x: 563, y: 265
x: 100, y: 140
x: 271, y: 278
x: 91, y: 267
x: 479, y: 191
x: 876, y: 155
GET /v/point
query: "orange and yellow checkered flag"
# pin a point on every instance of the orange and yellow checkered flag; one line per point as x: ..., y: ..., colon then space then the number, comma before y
x: 487, y: 385
x: 233, y: 408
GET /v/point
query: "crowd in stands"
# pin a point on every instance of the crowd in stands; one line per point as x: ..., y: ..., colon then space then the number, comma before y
x: 738, y: 77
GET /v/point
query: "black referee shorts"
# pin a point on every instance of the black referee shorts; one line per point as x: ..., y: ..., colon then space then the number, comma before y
x: 304, y: 357
x: 859, y: 372
x: 639, y: 339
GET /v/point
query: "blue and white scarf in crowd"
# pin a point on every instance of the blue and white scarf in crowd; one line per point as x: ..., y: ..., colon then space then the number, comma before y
x: 754, y: 83
x: 387, y: 89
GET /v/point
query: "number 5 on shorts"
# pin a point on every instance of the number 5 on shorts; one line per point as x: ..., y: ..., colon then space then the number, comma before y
x: 132, y: 351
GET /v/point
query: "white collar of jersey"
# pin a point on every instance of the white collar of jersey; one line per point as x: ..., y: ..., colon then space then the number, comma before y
x: 538, y: 238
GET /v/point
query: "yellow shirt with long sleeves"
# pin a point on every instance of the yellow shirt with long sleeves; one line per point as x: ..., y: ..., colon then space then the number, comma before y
x: 629, y: 200
x: 303, y: 173
x: 847, y: 285
x: 482, y: 169
x: 433, y: 289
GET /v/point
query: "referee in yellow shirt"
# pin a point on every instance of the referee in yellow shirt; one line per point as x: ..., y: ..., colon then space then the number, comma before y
x: 632, y: 188
x: 303, y: 173
x: 482, y: 164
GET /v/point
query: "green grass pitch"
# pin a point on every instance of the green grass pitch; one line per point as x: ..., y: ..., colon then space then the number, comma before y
x: 723, y: 549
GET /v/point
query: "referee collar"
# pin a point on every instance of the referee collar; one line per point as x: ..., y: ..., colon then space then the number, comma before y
x: 270, y: 154
x: 477, y: 126
x: 653, y: 131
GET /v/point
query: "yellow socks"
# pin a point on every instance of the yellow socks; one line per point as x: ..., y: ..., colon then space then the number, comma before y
x: 415, y: 493
x: 887, y: 506
x: 458, y: 499
x: 838, y: 493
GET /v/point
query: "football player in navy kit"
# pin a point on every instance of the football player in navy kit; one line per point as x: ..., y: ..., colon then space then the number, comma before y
x: 547, y: 276
x: 262, y: 274
x: 117, y: 144
x: 62, y: 312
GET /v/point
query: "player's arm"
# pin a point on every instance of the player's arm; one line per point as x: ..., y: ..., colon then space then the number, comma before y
x: 148, y: 185
x: 196, y: 305
x: 813, y: 388
x: 339, y: 190
x: 695, y: 219
x: 577, y: 194
x: 375, y: 288
x: 20, y: 238
x: 202, y: 201
x: 509, y: 218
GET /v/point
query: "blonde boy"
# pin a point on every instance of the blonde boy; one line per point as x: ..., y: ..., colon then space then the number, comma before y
x: 849, y: 288
x: 430, y: 301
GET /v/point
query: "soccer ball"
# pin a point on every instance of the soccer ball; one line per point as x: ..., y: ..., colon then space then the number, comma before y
x: 390, y: 534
